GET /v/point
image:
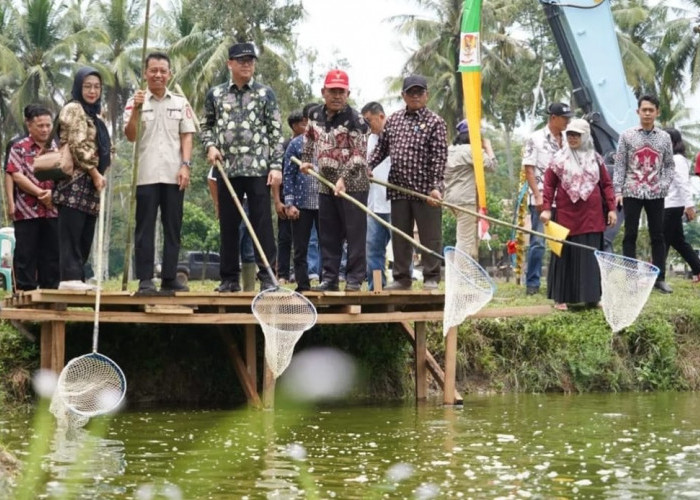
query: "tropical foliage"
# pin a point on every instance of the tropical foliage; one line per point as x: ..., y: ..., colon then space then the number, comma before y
x: 42, y: 42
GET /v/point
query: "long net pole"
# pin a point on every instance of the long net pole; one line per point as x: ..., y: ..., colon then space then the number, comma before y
x: 477, y: 214
x: 135, y: 162
x: 364, y: 208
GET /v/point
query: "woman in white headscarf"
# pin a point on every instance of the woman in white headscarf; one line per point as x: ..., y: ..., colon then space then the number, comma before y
x: 578, y: 185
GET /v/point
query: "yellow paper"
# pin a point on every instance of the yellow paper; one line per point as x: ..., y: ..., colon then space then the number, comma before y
x: 557, y: 231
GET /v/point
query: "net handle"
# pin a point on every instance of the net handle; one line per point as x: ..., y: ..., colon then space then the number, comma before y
x: 100, y: 246
x: 477, y: 214
x: 245, y: 218
x: 364, y: 208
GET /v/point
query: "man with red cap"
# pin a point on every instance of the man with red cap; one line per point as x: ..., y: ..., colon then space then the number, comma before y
x: 336, y: 137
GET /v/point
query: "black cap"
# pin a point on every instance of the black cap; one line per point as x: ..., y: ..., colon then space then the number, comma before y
x: 245, y: 49
x: 560, y: 109
x: 414, y: 81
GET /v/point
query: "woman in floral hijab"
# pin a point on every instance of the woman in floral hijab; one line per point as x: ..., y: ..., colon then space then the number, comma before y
x: 578, y: 194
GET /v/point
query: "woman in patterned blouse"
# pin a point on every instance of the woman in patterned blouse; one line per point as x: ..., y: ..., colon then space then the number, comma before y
x: 78, y: 197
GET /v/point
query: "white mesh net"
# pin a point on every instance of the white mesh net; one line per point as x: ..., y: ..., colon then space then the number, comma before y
x: 284, y: 315
x: 88, y: 386
x: 468, y: 288
x: 626, y: 284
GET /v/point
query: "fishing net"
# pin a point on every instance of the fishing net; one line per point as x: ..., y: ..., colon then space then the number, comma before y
x: 284, y: 316
x: 88, y: 386
x: 468, y: 288
x: 626, y: 284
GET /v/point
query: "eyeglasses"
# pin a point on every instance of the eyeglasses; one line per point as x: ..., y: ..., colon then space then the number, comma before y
x: 415, y: 91
x: 243, y: 61
x: 573, y: 134
x: 92, y: 87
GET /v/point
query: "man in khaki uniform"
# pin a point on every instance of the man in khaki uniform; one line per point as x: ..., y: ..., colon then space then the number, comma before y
x: 165, y: 151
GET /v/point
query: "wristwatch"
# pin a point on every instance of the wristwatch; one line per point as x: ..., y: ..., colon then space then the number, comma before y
x: 186, y: 163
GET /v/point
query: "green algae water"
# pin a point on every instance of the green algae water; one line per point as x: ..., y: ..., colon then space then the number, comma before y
x: 510, y: 446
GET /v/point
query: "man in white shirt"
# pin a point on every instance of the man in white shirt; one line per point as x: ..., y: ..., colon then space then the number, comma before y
x: 378, y: 236
x: 538, y: 152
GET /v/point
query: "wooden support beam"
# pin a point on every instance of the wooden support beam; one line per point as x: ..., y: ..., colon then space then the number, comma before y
x: 433, y: 366
x: 421, y: 350
x: 53, y: 346
x: 450, y: 366
x: 268, y: 388
x: 377, y: 280
x: 239, y: 366
x: 251, y: 352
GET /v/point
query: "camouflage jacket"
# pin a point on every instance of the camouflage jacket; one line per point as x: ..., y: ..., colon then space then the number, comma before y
x: 244, y: 124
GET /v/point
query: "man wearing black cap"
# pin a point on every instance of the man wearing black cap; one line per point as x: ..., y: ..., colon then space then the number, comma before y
x: 416, y: 140
x: 538, y: 152
x: 242, y: 128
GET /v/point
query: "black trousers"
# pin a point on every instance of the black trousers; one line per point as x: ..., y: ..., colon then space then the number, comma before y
x: 301, y: 232
x: 36, y: 253
x: 675, y: 237
x: 655, y: 217
x: 284, y: 247
x: 149, y: 198
x: 404, y: 213
x: 76, y: 230
x: 341, y: 220
x: 260, y: 215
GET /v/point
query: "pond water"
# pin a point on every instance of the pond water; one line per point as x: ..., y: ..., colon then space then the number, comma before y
x: 509, y: 446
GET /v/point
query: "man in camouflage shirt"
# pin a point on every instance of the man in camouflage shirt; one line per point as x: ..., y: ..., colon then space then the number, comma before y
x: 242, y: 128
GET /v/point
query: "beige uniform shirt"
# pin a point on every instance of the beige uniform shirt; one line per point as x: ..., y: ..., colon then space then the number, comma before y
x: 162, y: 122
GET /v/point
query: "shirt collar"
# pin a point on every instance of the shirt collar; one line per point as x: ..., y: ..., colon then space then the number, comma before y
x: 232, y: 85
x: 150, y: 95
x: 419, y: 113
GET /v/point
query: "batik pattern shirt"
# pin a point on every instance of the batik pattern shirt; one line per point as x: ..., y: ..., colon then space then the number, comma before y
x: 538, y: 152
x: 244, y: 124
x: 416, y: 141
x: 644, y: 166
x: 300, y: 190
x: 21, y: 160
x: 339, y: 145
x: 79, y: 131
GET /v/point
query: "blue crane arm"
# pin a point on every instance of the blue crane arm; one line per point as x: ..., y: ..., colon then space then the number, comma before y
x: 584, y: 31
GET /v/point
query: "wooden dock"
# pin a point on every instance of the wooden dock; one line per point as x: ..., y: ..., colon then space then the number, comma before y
x: 410, y: 310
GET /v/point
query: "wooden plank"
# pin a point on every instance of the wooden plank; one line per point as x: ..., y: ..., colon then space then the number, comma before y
x: 421, y: 350
x: 107, y: 316
x: 228, y: 299
x: 239, y: 366
x: 207, y: 318
x: 167, y: 309
x: 433, y: 366
x: 450, y: 366
x: 356, y: 309
x: 53, y: 346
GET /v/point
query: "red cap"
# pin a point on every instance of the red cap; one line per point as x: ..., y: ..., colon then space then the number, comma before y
x: 336, y: 79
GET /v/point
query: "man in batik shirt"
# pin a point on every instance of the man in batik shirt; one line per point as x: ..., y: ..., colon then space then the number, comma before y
x: 416, y: 140
x: 336, y: 137
x: 644, y: 169
x: 242, y: 128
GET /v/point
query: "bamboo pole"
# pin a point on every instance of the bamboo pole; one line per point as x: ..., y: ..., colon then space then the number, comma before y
x: 135, y: 162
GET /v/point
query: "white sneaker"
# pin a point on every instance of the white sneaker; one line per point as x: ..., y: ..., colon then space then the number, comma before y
x: 430, y: 285
x: 76, y: 285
